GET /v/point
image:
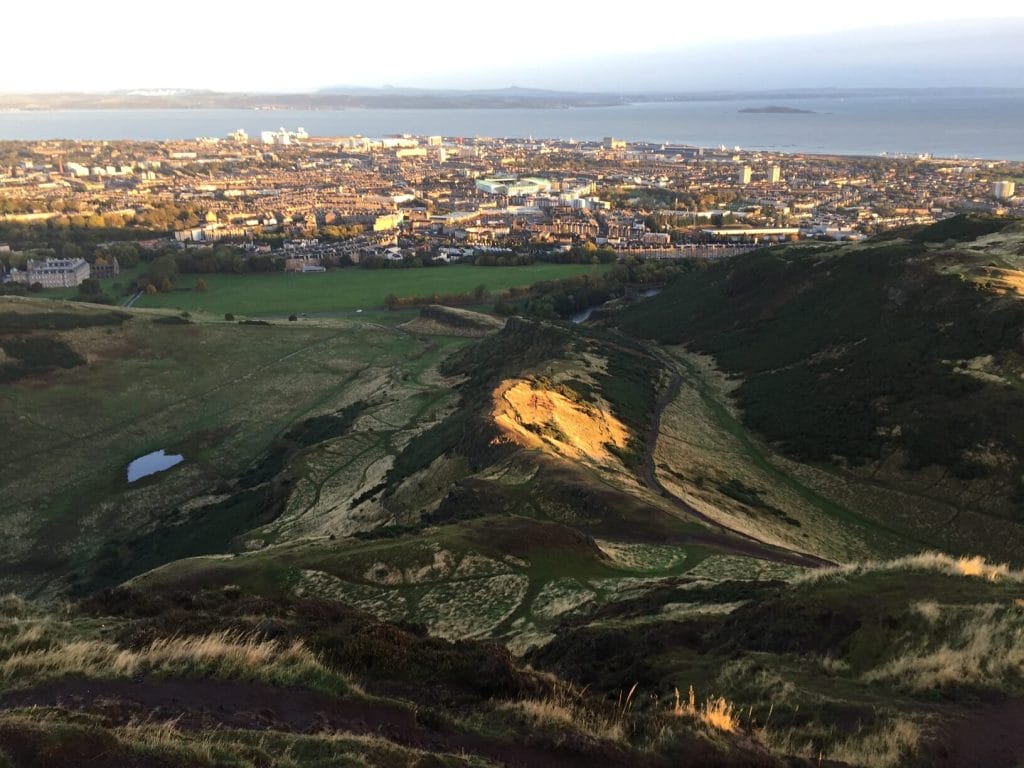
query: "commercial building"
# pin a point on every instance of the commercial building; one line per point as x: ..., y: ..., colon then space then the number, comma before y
x: 775, y: 174
x: 743, y: 175
x: 510, y: 186
x: 1003, y: 190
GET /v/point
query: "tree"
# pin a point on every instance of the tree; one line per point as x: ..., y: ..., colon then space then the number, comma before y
x: 200, y: 285
x: 90, y: 287
x: 150, y: 289
x: 391, y: 301
x: 166, y: 286
x: 36, y: 287
x: 292, y: 317
x: 229, y: 317
x: 480, y: 292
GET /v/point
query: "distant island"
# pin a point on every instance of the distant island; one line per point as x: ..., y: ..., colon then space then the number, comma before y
x: 351, y: 97
x: 776, y: 110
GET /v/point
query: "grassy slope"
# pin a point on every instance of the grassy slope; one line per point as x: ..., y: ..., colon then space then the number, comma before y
x: 222, y: 678
x: 851, y: 352
x: 516, y: 558
x: 347, y: 289
x: 219, y: 393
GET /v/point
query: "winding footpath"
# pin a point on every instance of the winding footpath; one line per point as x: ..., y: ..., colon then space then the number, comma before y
x: 728, y: 537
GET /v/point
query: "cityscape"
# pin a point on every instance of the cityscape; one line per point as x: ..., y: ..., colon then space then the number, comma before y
x: 323, y: 202
x: 529, y: 386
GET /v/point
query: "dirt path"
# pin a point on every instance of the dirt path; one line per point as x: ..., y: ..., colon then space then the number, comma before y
x: 205, y: 705
x: 727, y: 536
x: 992, y: 737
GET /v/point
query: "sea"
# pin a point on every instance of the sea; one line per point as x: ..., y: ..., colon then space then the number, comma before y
x: 984, y: 125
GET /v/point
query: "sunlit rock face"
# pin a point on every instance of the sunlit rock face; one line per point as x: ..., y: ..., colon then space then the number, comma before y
x: 537, y: 416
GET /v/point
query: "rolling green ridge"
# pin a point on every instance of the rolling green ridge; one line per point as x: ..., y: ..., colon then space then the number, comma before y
x: 858, y: 356
x: 756, y: 520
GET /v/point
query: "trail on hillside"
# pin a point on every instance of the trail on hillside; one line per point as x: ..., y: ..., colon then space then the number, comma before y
x: 751, y: 545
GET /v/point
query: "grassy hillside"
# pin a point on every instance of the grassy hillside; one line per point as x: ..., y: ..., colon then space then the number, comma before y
x: 88, y: 390
x: 901, y: 354
x: 392, y: 544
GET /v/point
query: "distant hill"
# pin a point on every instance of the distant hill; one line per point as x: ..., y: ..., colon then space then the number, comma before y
x: 775, y: 110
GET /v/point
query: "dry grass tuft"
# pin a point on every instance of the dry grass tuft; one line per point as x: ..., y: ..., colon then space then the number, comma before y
x: 939, y: 562
x: 221, y: 654
x: 890, y: 746
x: 563, y: 710
x: 12, y: 606
x: 980, y: 645
x: 716, y: 712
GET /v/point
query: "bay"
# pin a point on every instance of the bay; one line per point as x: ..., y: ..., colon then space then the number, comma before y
x: 983, y: 125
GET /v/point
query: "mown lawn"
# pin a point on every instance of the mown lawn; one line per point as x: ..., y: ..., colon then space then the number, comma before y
x: 347, y: 289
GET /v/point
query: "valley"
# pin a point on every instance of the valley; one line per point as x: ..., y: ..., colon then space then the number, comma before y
x: 769, y: 516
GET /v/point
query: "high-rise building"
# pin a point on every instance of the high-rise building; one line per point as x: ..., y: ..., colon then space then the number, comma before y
x: 775, y: 174
x: 1003, y: 190
x: 743, y: 177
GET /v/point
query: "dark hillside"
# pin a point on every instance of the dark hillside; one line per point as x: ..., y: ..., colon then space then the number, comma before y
x: 858, y: 353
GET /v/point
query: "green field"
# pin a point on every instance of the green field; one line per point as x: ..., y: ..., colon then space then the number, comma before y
x: 347, y: 289
x: 217, y: 392
x: 118, y: 288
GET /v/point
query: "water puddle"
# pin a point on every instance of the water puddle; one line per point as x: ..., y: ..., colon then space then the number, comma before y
x: 151, y: 463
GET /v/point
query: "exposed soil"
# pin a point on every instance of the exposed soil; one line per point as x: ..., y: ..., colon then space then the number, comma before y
x: 992, y: 737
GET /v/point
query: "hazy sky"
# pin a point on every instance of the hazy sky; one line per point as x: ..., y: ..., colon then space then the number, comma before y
x: 52, y: 46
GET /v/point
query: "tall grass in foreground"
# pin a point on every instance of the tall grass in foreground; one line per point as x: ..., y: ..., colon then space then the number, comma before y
x: 889, y: 746
x: 715, y: 711
x: 225, y: 655
x: 563, y: 710
x: 938, y: 562
x: 971, y: 645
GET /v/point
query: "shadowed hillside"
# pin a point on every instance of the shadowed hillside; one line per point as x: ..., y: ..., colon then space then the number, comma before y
x: 900, y: 358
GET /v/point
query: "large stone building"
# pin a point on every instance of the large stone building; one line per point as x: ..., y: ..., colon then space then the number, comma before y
x: 53, y: 273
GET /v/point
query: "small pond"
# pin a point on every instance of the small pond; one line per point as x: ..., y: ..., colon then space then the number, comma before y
x: 151, y: 463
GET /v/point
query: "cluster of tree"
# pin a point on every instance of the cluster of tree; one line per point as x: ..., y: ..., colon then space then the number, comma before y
x: 341, y: 231
x: 406, y: 262
x: 159, y: 275
x: 167, y: 217
x: 477, y: 295
x: 504, y: 259
x: 91, y: 291
x: 67, y: 242
x: 588, y: 253
x: 556, y: 299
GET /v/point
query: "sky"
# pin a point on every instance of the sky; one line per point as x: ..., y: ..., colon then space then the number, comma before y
x: 641, y: 45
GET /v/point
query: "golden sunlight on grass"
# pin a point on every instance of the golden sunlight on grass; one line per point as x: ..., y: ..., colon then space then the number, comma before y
x: 563, y: 711
x: 1002, y: 280
x: 220, y: 654
x: 977, y: 567
x: 537, y: 416
x: 716, y: 711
